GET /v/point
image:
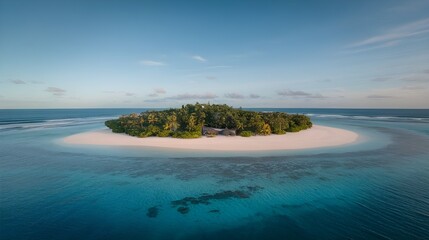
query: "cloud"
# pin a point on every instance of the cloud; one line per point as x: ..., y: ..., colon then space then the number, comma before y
x: 160, y: 91
x: 421, y: 76
x: 380, y: 79
x: 376, y: 96
x: 184, y: 96
x: 241, y: 96
x: 129, y: 94
x: 187, y: 96
x: 365, y: 49
x: 151, y: 63
x: 56, y: 91
x: 17, y: 81
x: 211, y: 78
x: 416, y: 78
x: 291, y: 93
x: 199, y: 58
x: 395, y: 34
x: 234, y: 95
x: 157, y: 92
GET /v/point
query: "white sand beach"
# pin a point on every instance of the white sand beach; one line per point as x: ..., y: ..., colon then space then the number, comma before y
x: 316, y: 137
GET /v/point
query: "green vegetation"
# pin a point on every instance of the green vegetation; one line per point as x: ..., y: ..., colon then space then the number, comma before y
x: 246, y: 134
x: 187, y: 122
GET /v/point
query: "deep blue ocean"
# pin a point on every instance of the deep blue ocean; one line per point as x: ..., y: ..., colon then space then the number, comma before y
x: 377, y: 188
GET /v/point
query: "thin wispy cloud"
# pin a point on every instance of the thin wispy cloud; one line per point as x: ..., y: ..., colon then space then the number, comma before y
x: 17, y: 81
x: 21, y: 82
x: 199, y: 58
x: 151, y: 63
x: 421, y: 76
x: 371, y: 47
x: 187, y: 96
x: 184, y: 96
x: 160, y: 90
x: 376, y: 96
x: 157, y: 92
x: 234, y: 96
x: 302, y: 94
x: 393, y: 35
x: 416, y: 78
x: 56, y: 91
x: 129, y: 94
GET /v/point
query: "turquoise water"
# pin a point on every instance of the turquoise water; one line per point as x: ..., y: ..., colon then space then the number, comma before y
x: 375, y: 189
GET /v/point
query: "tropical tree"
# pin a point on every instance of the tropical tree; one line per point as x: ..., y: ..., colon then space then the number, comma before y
x: 141, y: 121
x: 152, y: 118
x: 266, y: 129
x: 192, y: 121
x: 172, y: 122
x: 184, y: 122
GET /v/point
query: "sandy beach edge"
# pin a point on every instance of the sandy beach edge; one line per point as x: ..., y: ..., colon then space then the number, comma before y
x: 316, y: 137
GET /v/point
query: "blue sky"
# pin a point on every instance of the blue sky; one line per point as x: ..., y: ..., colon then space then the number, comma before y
x: 357, y: 54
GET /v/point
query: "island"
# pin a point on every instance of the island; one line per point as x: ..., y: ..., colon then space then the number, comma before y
x: 196, y: 120
x: 212, y: 127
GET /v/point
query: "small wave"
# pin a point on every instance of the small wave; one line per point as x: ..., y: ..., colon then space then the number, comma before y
x: 372, y: 118
x: 52, y: 123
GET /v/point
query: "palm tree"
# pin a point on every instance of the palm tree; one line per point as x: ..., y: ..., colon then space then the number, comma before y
x: 141, y: 121
x: 239, y: 125
x: 152, y: 118
x: 131, y: 120
x: 172, y: 122
x: 192, y: 122
x: 266, y: 129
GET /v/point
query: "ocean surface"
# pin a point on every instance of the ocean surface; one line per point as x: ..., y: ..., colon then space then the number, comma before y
x: 377, y: 188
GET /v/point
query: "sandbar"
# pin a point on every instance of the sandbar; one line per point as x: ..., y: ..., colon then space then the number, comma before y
x: 316, y: 137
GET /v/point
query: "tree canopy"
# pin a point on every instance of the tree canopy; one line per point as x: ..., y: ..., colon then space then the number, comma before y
x: 187, y: 121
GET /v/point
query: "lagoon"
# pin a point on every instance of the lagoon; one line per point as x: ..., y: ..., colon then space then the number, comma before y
x: 373, y: 189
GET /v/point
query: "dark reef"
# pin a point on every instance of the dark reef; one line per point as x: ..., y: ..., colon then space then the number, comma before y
x: 152, y: 212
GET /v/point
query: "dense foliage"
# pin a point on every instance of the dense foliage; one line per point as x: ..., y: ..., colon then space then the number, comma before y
x: 187, y: 122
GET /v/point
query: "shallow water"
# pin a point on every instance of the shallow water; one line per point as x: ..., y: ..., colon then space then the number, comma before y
x: 376, y: 189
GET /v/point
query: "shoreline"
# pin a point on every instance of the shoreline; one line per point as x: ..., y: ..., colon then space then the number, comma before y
x: 316, y: 137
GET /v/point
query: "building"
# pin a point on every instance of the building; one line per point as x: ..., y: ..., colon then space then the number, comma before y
x: 209, y: 131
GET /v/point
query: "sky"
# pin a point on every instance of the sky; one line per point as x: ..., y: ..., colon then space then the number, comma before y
x: 284, y: 54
